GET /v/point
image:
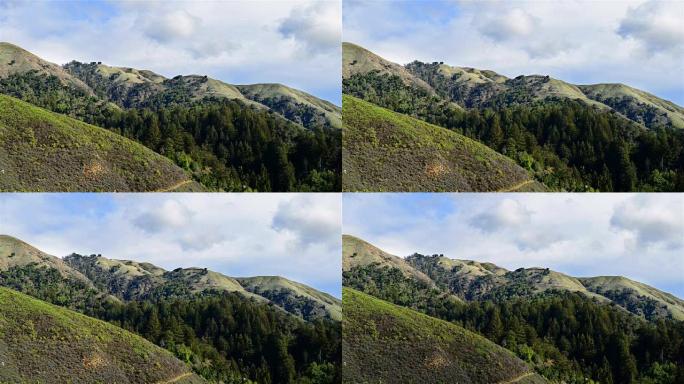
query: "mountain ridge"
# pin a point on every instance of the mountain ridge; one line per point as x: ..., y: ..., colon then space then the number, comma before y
x: 475, y: 281
x: 472, y: 87
x: 130, y: 280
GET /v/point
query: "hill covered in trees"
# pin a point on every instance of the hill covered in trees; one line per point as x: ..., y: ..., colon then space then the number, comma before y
x: 388, y: 151
x: 606, y: 331
x: 384, y: 342
x: 44, y: 343
x: 606, y: 137
x: 263, y: 329
x: 265, y: 137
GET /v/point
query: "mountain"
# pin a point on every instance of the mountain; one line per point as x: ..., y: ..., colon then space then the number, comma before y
x: 477, y: 88
x: 15, y: 60
x: 383, y: 342
x: 582, y: 138
x: 127, y: 280
x: 40, y: 342
x: 476, y: 281
x: 45, y: 151
x: 134, y: 88
x: 387, y: 151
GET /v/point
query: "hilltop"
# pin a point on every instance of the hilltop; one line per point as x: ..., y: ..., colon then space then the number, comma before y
x: 127, y: 281
x: 387, y: 151
x: 476, y: 281
x: 478, y: 88
x: 40, y: 342
x: 383, y: 342
x: 45, y: 151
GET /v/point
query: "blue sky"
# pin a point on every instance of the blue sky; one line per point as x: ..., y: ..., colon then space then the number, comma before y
x: 639, y: 42
x: 640, y: 236
x: 240, y: 42
x: 291, y: 235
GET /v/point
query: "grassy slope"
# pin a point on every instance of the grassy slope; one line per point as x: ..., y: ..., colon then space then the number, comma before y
x: 385, y: 343
x: 332, y: 305
x: 387, y: 151
x: 16, y: 253
x: 358, y: 253
x: 40, y: 342
x: 45, y: 151
x: 674, y: 304
x: 261, y: 92
x: 14, y: 59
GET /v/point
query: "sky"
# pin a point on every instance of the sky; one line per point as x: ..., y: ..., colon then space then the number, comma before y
x: 639, y: 43
x: 639, y: 236
x: 296, y: 43
x: 292, y: 235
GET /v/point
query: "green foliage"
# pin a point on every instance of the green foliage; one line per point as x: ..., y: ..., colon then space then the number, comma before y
x: 566, y: 336
x: 568, y: 145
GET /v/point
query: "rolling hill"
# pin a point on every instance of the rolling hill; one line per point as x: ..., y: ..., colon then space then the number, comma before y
x: 127, y: 280
x: 387, y: 151
x: 386, y: 343
x: 476, y: 281
x: 45, y: 151
x: 478, y: 88
x: 43, y: 343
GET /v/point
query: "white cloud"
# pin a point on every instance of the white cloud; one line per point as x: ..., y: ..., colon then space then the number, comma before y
x: 170, y: 26
x: 170, y: 215
x: 658, y: 25
x: 506, y: 213
x: 309, y: 219
x: 317, y: 26
x: 512, y: 24
x: 652, y: 221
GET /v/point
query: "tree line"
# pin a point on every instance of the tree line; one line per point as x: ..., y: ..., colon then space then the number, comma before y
x: 567, y: 337
x: 565, y: 144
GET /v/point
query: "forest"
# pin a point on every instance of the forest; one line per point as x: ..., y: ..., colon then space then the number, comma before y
x: 566, y: 337
x: 223, y: 336
x: 567, y: 145
x: 225, y: 144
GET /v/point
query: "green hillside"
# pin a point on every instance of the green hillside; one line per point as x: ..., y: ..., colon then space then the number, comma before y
x: 582, y: 138
x: 43, y: 343
x: 385, y: 343
x: 45, y: 151
x: 388, y: 151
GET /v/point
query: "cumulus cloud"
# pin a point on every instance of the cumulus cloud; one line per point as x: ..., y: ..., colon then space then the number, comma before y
x: 170, y: 26
x: 171, y: 214
x: 505, y: 214
x: 309, y: 219
x: 657, y: 25
x: 652, y: 221
x: 515, y: 23
x: 318, y: 26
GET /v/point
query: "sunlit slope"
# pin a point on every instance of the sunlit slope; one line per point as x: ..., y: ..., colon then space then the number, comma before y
x: 385, y: 343
x: 388, y: 151
x: 45, y: 151
x: 43, y: 343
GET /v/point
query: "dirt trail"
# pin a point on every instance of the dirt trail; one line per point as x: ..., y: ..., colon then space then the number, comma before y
x: 175, y: 379
x: 174, y: 187
x: 516, y: 186
x: 517, y: 379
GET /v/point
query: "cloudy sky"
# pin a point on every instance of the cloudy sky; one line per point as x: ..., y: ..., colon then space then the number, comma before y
x: 640, y: 236
x: 292, y: 42
x: 291, y: 235
x: 640, y: 43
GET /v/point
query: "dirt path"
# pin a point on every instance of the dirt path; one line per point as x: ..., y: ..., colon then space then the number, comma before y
x: 517, y: 379
x: 516, y: 187
x: 174, y: 187
x: 175, y: 379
